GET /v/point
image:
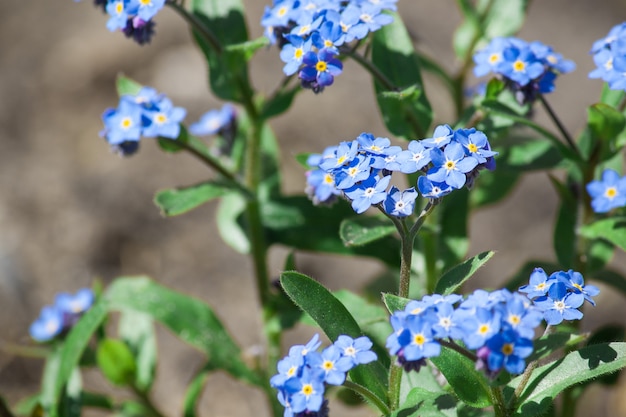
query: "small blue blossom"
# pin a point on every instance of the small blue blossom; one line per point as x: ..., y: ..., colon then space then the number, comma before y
x: 357, y: 350
x: 164, y: 121
x: 414, y: 158
x: 75, y: 304
x: 293, y: 52
x: 370, y: 192
x: 215, y: 122
x: 307, y: 391
x: 560, y: 304
x: 539, y: 284
x: 320, y: 69
x: 450, y: 165
x: 400, y: 203
x: 48, y: 325
x: 476, y: 145
x: 442, y: 135
x: 431, y: 189
x: 422, y: 343
x: 329, y: 36
x: 147, y: 9
x: 122, y: 124
x: 608, y: 193
x: 508, y: 349
x: 609, y: 55
x: 575, y: 283
x: 333, y: 363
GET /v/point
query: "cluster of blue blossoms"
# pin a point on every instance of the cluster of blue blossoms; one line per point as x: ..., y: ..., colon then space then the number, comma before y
x: 304, y: 371
x: 310, y: 32
x: 609, y: 54
x: 607, y: 193
x: 361, y: 170
x: 132, y: 17
x: 527, y: 68
x: 147, y: 113
x: 151, y: 114
x: 59, y: 317
x: 499, y: 325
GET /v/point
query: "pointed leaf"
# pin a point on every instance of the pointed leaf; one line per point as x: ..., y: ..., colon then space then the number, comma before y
x: 547, y: 381
x: 137, y: 331
x: 335, y: 320
x: 361, y: 230
x: 116, y: 362
x: 394, y: 303
x: 604, y: 121
x: 229, y: 211
x: 612, y: 229
x: 468, y: 384
x: 455, y: 277
x: 175, y: 201
x: 423, y: 403
x: 127, y: 86
x: 394, y: 55
x: 194, y: 390
x: 190, y: 319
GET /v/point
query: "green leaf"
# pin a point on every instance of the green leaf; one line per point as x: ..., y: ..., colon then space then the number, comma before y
x: 599, y: 253
x: 230, y: 209
x: 564, y: 236
x: 137, y: 331
x: 72, y: 400
x: 279, y: 103
x: 468, y: 384
x: 494, y: 88
x: 612, y: 229
x: 423, y: 403
x: 394, y: 303
x: 335, y: 320
x: 527, y: 155
x: 492, y: 187
x: 116, y: 362
x: 295, y: 222
x: 611, y: 97
x: 228, y: 69
x: 249, y: 48
x: 607, y: 334
x: 604, y: 121
x: 190, y: 319
x: 175, y: 201
x: 361, y: 230
x: 126, y: 86
x: 408, y: 115
x: 455, y: 277
x: 550, y: 343
x: 424, y: 379
x: 63, y: 360
x: 194, y: 390
x: 547, y: 381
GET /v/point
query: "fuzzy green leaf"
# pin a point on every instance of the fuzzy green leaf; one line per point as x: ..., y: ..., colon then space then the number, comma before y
x: 361, y: 230
x: 175, y: 201
x: 612, y: 229
x: 116, y: 362
x: 455, y: 277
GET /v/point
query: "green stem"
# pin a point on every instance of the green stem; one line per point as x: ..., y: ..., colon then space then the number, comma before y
x: 512, y: 405
x: 365, y: 393
x: 395, y: 380
x: 559, y: 125
x: 371, y: 68
x: 452, y: 345
x: 198, y: 26
x: 499, y: 407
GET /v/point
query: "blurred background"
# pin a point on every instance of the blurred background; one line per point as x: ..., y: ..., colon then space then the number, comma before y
x: 72, y: 212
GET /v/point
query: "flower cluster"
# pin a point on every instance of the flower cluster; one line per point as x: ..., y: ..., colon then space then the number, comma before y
x: 608, y: 193
x: 361, y: 170
x: 59, y: 317
x: 147, y: 113
x: 527, y: 68
x: 310, y: 33
x: 559, y: 295
x: 500, y: 325
x: 303, y: 373
x: 132, y: 17
x: 609, y: 55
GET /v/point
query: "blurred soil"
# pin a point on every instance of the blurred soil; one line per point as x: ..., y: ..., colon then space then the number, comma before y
x: 72, y: 212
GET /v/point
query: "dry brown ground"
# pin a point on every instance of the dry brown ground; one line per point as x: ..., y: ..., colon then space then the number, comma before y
x: 71, y: 211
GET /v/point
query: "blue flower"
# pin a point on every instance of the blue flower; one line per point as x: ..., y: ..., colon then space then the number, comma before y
x: 293, y: 52
x: 321, y: 186
x: 400, y: 203
x: 48, y: 325
x: 560, y: 304
x: 344, y: 154
x: 442, y: 135
x: 422, y: 343
x: 488, y: 58
x: 320, y: 69
x: 450, y: 165
x: 332, y: 363
x: 147, y: 9
x: 215, y: 121
x: 329, y: 36
x: 122, y: 124
x: 519, y: 314
x: 608, y: 193
x: 539, y: 284
x: 609, y: 55
x: 288, y: 367
x: 370, y: 192
x: 307, y: 391
x: 119, y: 13
x: 478, y: 326
x: 164, y: 121
x: 520, y: 65
x: 357, y: 350
x: 356, y: 171
x: 414, y: 158
x: 75, y: 304
x: 508, y: 349
x: 575, y: 283
x: 476, y: 145
x: 372, y: 18
x: 430, y: 189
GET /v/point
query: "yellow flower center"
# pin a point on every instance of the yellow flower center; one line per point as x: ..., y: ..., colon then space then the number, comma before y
x: 610, y: 192
x: 328, y: 179
x: 292, y: 371
x: 507, y: 349
x: 494, y: 58
x: 450, y: 165
x: 119, y: 7
x: 298, y: 53
x: 519, y: 65
x: 126, y: 123
x: 282, y: 11
x: 419, y: 339
x: 514, y: 319
x: 328, y: 365
x: 321, y: 66
x: 328, y: 43
x: 579, y: 287
x: 472, y: 148
x: 483, y: 329
x: 160, y: 118
x: 307, y: 389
